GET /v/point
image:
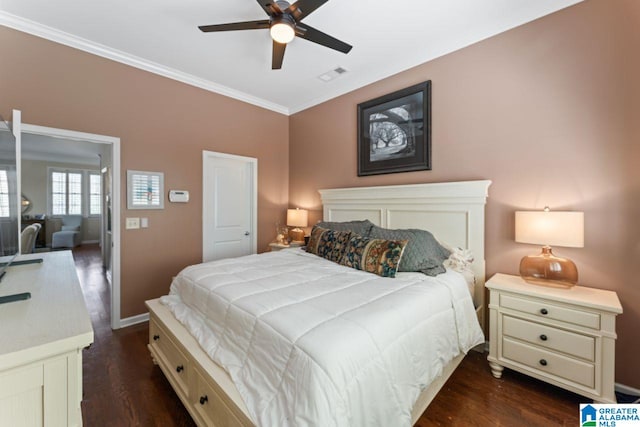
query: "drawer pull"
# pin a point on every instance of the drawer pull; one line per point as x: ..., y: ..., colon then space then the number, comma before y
x: 544, y: 311
x: 179, y: 368
x: 543, y: 337
x: 204, y: 399
x: 156, y: 337
x: 543, y: 362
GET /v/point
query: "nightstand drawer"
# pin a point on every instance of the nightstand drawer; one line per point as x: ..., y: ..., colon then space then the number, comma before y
x: 570, y: 343
x: 548, y: 362
x: 545, y: 310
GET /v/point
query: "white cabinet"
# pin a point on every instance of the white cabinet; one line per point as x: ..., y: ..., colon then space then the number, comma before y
x: 562, y: 336
x: 41, y: 342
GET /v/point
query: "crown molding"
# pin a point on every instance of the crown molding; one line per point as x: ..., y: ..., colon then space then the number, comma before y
x: 57, y: 36
x: 93, y: 162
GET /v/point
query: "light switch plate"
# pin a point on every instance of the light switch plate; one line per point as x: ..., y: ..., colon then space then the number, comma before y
x: 144, y: 222
x: 132, y: 223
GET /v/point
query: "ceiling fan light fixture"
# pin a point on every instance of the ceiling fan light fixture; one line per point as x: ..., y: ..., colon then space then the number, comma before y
x: 282, y: 30
x: 284, y: 25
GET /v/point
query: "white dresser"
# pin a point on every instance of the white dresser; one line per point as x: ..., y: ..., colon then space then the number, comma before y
x: 565, y: 337
x: 41, y: 342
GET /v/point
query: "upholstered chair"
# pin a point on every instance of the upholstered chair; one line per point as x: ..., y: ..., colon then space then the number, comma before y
x: 69, y: 234
x: 28, y: 238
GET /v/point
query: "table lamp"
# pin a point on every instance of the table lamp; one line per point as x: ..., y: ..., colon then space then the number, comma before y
x: 549, y: 228
x: 297, y: 218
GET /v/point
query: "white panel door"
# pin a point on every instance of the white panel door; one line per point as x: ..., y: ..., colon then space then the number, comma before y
x: 229, y: 206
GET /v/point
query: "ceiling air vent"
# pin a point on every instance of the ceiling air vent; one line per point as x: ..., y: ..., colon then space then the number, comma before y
x: 330, y: 75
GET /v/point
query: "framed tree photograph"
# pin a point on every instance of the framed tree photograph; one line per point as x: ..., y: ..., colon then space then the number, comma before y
x: 394, y: 132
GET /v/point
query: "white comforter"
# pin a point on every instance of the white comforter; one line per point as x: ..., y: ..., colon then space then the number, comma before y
x: 311, y: 343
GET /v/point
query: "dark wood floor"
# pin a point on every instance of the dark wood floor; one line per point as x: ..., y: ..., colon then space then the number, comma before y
x: 123, y: 388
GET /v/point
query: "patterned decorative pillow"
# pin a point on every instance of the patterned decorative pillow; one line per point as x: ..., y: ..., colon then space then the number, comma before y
x: 423, y: 252
x: 328, y: 244
x: 314, y: 238
x: 378, y: 256
x: 361, y: 227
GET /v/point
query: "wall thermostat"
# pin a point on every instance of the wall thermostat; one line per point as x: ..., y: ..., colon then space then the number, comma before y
x: 179, y: 196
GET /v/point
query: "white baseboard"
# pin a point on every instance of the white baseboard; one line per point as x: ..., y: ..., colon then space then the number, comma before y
x: 134, y: 320
x: 627, y: 390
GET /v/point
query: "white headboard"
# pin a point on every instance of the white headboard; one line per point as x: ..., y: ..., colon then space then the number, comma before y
x: 452, y: 211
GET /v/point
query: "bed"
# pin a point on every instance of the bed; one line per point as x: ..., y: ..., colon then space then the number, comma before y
x: 454, y: 212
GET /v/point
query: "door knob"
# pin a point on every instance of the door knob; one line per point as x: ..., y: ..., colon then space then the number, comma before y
x: 246, y: 233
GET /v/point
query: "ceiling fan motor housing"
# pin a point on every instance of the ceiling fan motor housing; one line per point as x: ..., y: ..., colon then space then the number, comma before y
x: 282, y: 4
x: 283, y: 19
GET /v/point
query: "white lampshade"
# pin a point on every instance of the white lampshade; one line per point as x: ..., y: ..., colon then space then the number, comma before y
x: 550, y: 228
x: 297, y: 217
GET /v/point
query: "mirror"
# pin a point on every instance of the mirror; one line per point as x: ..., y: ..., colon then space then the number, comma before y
x: 26, y: 204
x: 9, y: 214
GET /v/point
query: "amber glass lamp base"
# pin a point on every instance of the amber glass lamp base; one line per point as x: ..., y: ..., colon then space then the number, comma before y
x: 549, y: 270
x: 297, y: 235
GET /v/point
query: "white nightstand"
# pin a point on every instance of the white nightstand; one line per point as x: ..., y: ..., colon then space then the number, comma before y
x: 279, y: 246
x: 565, y: 337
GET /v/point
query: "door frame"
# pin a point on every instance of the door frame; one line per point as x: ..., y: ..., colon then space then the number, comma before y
x: 253, y: 165
x: 116, y: 321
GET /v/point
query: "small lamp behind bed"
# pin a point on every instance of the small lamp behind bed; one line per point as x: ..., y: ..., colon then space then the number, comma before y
x: 550, y: 228
x: 297, y: 218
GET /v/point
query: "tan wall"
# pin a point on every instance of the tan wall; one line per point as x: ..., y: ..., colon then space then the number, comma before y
x: 163, y: 126
x: 34, y: 185
x: 548, y: 112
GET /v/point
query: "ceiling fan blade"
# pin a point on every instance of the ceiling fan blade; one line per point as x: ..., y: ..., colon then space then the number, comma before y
x: 309, y: 33
x: 270, y: 7
x: 248, y: 25
x: 304, y: 8
x: 277, y: 55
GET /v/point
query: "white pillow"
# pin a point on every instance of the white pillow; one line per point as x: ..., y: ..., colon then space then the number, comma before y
x: 460, y: 260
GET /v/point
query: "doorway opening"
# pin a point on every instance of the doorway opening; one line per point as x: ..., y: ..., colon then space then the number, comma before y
x: 72, y: 144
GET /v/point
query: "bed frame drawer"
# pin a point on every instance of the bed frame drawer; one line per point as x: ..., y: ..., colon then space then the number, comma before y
x: 209, y: 404
x: 172, y: 360
x: 171, y: 344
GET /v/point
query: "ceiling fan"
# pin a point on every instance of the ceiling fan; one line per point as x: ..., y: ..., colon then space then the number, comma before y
x: 284, y: 24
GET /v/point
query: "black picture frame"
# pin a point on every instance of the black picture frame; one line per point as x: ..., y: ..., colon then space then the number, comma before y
x: 394, y: 132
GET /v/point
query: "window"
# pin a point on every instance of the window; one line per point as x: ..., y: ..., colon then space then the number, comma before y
x: 95, y: 200
x: 74, y: 188
x: 66, y: 193
x: 145, y: 190
x: 4, y: 194
x: 74, y: 192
